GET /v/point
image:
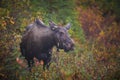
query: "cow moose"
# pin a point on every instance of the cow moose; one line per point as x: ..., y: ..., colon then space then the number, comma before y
x: 39, y: 39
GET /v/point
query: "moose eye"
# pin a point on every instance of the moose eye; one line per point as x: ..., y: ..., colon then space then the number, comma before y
x: 61, y: 33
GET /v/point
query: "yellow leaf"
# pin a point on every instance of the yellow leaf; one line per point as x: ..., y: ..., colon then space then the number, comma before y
x: 12, y: 22
x: 101, y: 33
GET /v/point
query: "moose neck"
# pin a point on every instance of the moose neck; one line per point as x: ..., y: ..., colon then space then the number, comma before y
x: 57, y: 42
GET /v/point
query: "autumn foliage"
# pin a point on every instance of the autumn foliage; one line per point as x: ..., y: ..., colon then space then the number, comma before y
x: 95, y: 30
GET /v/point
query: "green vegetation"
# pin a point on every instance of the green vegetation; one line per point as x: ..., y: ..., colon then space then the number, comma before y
x: 95, y: 30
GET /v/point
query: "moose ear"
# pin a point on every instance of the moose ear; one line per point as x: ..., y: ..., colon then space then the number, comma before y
x: 38, y: 21
x: 52, y: 25
x: 68, y: 26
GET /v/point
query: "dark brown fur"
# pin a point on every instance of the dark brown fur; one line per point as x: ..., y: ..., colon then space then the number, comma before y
x: 38, y: 41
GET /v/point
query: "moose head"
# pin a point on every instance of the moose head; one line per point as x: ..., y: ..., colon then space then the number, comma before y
x: 63, y: 39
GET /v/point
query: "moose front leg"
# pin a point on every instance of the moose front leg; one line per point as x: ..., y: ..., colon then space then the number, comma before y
x: 46, y: 66
x: 30, y: 64
x: 47, y: 62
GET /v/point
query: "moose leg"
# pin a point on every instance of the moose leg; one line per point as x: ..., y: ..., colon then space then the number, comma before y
x: 48, y: 60
x: 32, y: 62
x: 45, y: 65
x: 29, y: 65
x: 48, y: 65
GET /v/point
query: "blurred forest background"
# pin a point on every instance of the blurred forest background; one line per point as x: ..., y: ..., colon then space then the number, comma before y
x: 95, y: 30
